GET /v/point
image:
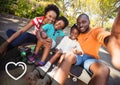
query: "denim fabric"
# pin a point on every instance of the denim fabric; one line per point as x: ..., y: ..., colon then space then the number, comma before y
x: 22, y: 39
x: 85, y: 61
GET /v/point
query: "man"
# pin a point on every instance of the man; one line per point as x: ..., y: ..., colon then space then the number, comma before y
x: 90, y: 41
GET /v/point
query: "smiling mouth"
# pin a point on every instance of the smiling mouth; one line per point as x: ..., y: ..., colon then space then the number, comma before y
x: 82, y: 28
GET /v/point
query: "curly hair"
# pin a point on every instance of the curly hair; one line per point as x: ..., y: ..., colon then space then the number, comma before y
x: 53, y: 8
x: 74, y: 27
x: 64, y: 19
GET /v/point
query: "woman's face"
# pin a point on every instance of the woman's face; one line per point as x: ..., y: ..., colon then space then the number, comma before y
x: 59, y: 24
x: 50, y: 17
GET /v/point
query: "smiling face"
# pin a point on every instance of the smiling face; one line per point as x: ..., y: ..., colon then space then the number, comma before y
x: 59, y: 24
x: 83, y: 23
x: 74, y: 33
x: 50, y: 17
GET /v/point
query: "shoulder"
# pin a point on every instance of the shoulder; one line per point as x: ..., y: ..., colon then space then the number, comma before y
x: 39, y: 19
x: 62, y: 33
x: 97, y: 29
x: 65, y: 37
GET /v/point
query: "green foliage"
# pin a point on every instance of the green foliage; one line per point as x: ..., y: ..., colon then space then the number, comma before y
x: 6, y: 6
x: 72, y: 20
x: 20, y: 8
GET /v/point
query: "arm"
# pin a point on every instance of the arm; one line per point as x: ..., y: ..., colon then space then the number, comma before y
x: 19, y: 32
x: 113, y: 45
x: 78, y: 49
x: 115, y: 32
x: 15, y: 35
x: 38, y: 35
x: 116, y: 25
x: 75, y: 51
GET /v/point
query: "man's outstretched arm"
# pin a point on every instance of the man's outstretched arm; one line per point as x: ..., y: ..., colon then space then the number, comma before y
x: 113, y: 44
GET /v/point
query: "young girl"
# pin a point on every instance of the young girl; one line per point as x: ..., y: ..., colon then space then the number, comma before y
x: 21, y: 36
x: 52, y: 32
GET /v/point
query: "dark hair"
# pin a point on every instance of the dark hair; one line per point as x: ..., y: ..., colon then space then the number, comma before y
x: 74, y: 27
x: 64, y: 20
x: 53, y: 8
x: 85, y: 15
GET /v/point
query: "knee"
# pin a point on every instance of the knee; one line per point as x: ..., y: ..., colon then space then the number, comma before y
x: 103, y: 71
x: 70, y: 57
x: 59, y: 52
x: 10, y: 32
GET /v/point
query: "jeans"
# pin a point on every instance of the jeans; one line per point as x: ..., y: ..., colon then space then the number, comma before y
x: 22, y: 39
x: 86, y: 61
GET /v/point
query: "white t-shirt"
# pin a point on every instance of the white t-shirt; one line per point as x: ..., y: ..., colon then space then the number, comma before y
x: 68, y: 44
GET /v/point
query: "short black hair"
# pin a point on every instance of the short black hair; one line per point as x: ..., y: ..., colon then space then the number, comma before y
x: 85, y: 15
x: 64, y: 20
x: 74, y: 27
x: 53, y: 8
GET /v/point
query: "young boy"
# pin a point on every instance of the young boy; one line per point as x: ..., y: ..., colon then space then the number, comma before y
x: 49, y: 40
x: 21, y: 36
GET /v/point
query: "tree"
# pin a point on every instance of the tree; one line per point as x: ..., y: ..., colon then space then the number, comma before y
x: 107, y: 8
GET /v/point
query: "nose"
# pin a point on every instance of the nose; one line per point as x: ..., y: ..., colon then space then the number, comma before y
x: 52, y: 20
x: 81, y: 25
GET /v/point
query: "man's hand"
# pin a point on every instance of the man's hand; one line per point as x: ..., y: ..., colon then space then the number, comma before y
x: 113, y: 45
x: 116, y: 26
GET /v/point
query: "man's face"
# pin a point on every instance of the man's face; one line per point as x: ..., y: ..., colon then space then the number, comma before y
x: 83, y: 23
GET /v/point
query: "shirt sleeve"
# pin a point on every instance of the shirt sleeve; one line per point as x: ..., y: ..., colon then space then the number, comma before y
x: 101, y: 35
x: 37, y: 21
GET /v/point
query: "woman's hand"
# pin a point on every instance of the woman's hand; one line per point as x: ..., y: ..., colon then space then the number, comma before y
x: 3, y: 47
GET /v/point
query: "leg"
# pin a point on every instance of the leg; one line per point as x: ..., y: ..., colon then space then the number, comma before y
x: 61, y: 59
x: 55, y: 56
x: 63, y: 71
x: 10, y: 32
x: 22, y: 39
x: 51, y: 61
x: 32, y: 77
x: 113, y: 45
x: 99, y: 72
x: 47, y: 47
x: 35, y: 54
x: 38, y: 46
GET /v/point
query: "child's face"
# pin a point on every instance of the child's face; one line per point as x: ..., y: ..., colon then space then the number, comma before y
x: 59, y: 24
x: 50, y: 17
x: 74, y: 34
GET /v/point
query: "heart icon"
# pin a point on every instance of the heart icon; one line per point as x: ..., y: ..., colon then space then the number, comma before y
x: 21, y: 64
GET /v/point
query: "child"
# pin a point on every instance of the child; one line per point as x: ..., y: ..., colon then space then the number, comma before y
x: 49, y: 41
x: 67, y: 44
x: 21, y: 36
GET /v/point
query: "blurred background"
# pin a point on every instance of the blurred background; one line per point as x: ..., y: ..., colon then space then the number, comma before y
x: 101, y: 12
